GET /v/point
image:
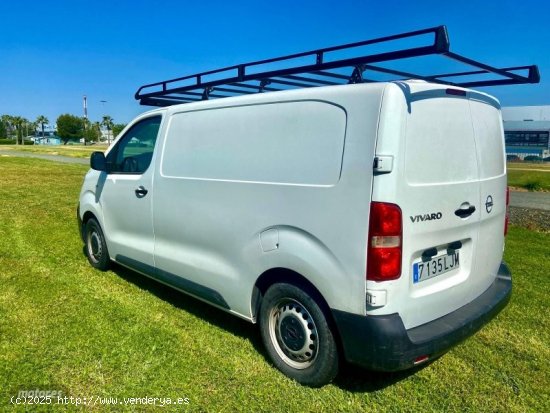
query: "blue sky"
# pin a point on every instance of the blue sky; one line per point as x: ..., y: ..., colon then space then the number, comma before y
x: 54, y: 52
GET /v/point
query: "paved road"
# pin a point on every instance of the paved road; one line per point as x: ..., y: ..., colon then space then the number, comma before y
x: 528, y: 169
x: 57, y: 158
x: 532, y: 200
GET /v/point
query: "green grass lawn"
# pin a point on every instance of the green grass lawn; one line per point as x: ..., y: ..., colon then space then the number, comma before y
x: 531, y: 180
x: 65, y: 326
x: 531, y: 176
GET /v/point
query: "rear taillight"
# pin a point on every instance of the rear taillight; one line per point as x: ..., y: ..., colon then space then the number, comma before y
x: 385, y: 242
x: 507, y: 213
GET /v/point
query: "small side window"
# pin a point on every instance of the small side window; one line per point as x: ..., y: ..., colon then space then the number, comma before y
x: 134, y: 151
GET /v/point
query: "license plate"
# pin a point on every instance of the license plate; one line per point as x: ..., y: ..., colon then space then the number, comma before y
x: 425, y: 270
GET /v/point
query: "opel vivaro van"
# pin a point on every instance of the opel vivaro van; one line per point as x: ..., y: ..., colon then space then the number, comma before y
x: 361, y: 222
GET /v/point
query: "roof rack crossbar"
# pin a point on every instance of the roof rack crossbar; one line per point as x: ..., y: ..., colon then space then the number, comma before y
x: 405, y: 75
x: 250, y: 78
x: 290, y: 83
x: 255, y: 87
x: 190, y: 93
x: 207, y: 93
x: 499, y: 82
x: 195, y: 97
x: 342, y: 77
x: 161, y: 102
x: 532, y: 77
x: 483, y: 66
x: 230, y: 90
x: 330, y: 74
x: 309, y: 79
x: 214, y: 95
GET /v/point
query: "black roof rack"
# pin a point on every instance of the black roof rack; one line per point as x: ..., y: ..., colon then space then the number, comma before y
x: 249, y: 78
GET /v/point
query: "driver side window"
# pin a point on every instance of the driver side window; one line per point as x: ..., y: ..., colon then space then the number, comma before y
x: 134, y: 150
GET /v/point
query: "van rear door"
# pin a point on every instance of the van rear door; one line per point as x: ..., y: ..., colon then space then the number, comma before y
x: 488, y: 130
x: 436, y: 182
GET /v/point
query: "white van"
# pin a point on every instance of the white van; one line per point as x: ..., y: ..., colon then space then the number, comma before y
x: 352, y: 220
x: 363, y: 220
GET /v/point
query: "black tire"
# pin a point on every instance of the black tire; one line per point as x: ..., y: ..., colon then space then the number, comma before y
x: 95, y: 246
x: 297, y: 336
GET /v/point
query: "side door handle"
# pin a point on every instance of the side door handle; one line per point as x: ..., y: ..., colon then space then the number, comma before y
x: 465, y: 212
x: 141, y: 191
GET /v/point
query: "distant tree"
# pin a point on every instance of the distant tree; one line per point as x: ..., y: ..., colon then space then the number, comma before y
x: 18, y: 122
x: 91, y: 132
x: 87, y: 126
x: 7, y: 121
x: 117, y: 128
x: 30, y: 127
x: 70, y: 127
x: 108, y: 123
x: 97, y: 126
x: 42, y: 120
x: 3, y: 129
x: 532, y: 158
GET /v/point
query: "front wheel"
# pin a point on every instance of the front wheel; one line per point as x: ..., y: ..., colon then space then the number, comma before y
x: 297, y: 336
x: 96, y: 247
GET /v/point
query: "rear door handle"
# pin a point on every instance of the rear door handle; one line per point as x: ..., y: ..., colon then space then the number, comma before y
x: 465, y: 212
x: 141, y: 192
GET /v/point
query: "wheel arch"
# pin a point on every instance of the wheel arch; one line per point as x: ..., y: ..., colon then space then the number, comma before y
x: 85, y: 218
x: 285, y: 275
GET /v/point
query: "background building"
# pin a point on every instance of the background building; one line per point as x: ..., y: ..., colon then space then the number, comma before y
x: 527, y: 131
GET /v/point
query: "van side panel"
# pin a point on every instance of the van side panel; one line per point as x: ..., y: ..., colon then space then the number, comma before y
x: 299, y: 166
x: 285, y: 143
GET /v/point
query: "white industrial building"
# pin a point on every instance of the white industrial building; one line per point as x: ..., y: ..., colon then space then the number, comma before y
x: 527, y: 131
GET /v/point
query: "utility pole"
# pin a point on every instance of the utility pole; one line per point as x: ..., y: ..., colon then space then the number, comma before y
x: 85, y: 106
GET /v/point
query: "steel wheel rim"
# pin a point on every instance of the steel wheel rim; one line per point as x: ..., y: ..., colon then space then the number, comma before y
x: 293, y: 333
x: 95, y: 247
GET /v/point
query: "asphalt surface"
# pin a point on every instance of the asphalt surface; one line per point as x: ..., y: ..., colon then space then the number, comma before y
x: 531, y: 200
x: 521, y: 199
x: 56, y: 158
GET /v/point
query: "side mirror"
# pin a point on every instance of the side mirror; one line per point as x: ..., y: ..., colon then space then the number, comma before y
x: 98, y: 162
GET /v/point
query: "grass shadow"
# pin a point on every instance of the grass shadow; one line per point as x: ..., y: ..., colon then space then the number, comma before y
x: 359, y: 380
x: 351, y: 378
x: 192, y: 305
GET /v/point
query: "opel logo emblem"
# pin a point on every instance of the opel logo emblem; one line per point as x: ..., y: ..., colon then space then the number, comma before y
x: 489, y: 204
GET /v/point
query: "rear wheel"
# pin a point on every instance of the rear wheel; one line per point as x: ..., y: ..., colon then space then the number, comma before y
x: 96, y: 247
x: 297, y: 336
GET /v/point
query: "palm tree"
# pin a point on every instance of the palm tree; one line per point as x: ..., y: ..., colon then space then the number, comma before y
x: 30, y: 126
x: 108, y: 123
x: 7, y: 120
x: 17, y: 122
x: 42, y: 120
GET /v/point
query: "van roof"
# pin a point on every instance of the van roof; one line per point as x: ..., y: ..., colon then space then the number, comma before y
x: 326, y: 69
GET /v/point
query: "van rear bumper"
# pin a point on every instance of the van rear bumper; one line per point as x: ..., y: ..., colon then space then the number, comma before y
x: 382, y: 342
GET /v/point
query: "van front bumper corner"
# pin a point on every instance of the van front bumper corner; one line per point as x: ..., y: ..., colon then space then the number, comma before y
x: 382, y: 342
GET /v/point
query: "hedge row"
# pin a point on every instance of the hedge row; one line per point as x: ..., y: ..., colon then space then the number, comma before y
x: 12, y: 142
